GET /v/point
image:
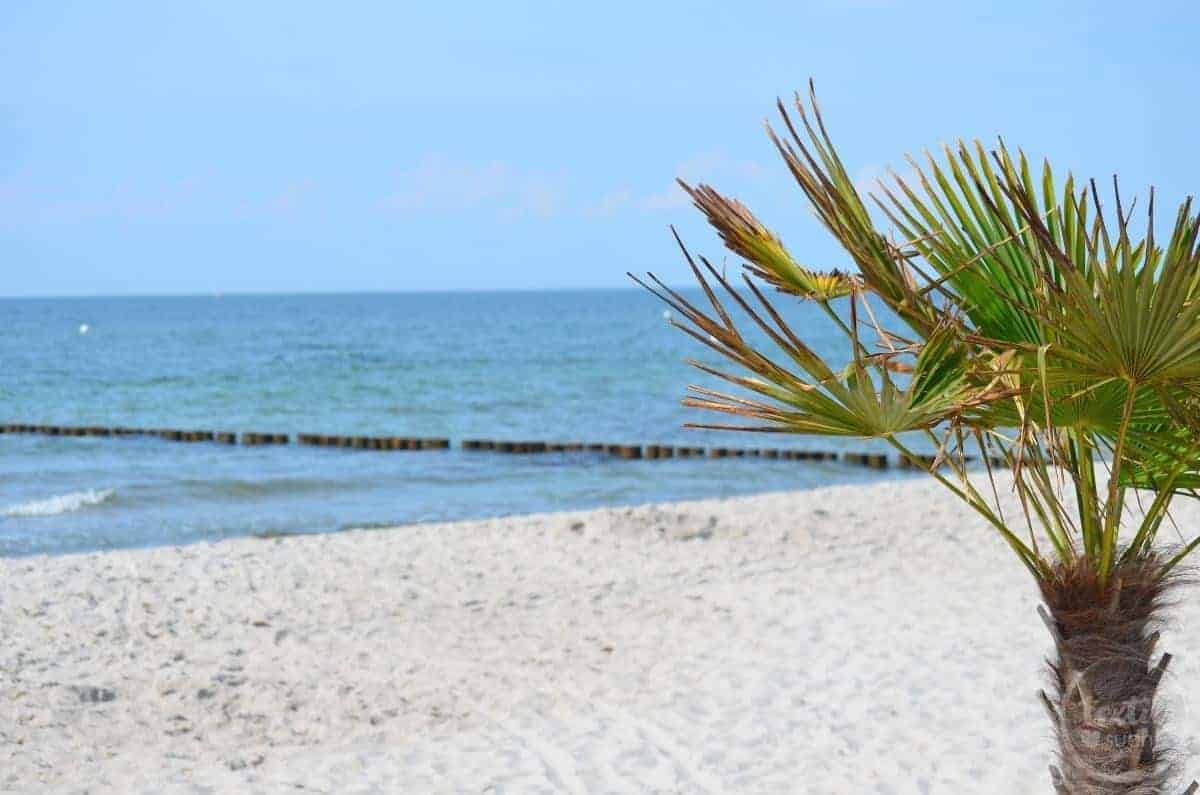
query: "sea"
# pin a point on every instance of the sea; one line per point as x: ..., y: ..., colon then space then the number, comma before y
x: 589, y: 366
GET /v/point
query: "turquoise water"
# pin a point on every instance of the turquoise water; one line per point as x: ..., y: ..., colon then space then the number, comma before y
x: 586, y: 365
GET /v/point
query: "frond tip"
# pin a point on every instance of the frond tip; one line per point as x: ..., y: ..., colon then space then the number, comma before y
x: 766, y: 256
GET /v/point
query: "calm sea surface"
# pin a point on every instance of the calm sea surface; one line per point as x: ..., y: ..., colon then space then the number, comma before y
x: 587, y: 366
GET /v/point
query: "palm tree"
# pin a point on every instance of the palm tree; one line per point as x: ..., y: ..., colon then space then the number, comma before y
x: 1041, y: 333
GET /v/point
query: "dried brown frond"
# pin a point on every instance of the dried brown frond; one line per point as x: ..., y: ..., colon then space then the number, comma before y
x: 767, y: 257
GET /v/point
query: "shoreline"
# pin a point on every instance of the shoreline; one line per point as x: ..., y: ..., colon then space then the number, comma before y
x: 838, y: 639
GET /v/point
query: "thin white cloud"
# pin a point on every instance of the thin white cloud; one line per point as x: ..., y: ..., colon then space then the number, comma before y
x: 709, y: 165
x: 670, y: 198
x: 712, y: 166
x: 867, y: 178
x: 438, y: 183
x: 873, y: 177
x: 609, y: 204
x: 845, y: 6
x: 292, y: 196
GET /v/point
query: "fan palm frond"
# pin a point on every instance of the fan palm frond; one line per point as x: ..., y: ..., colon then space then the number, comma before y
x: 1029, y: 307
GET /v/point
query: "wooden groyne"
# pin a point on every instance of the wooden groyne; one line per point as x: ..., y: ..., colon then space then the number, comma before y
x: 624, y: 451
x: 372, y: 442
x: 872, y: 460
x: 666, y: 451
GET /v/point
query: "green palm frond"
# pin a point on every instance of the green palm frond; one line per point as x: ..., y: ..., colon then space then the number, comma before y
x: 1038, y: 321
x: 859, y: 400
x: 814, y: 163
x: 1129, y: 313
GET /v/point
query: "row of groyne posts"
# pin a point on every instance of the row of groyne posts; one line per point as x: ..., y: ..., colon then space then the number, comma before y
x: 625, y: 451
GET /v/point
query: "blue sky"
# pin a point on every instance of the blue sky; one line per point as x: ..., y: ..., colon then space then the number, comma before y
x: 249, y: 147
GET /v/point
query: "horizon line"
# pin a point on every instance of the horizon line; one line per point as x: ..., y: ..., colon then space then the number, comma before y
x: 286, y: 293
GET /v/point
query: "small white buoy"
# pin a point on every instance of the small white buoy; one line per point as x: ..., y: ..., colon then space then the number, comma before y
x: 666, y: 314
x: 84, y: 328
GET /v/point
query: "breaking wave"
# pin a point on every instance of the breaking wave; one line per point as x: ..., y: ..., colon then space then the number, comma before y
x: 63, y: 503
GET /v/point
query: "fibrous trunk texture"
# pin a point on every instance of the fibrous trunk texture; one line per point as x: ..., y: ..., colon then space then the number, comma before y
x: 1105, y: 678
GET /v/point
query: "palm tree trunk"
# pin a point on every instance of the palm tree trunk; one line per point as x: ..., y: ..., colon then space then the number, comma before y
x: 1103, y: 703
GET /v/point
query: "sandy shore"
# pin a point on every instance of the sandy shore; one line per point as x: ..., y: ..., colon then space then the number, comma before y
x: 845, y: 640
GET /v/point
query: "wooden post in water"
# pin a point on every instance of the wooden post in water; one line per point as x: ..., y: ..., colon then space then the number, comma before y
x: 872, y: 460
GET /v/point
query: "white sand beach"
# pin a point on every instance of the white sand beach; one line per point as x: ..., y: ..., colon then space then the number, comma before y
x: 844, y: 640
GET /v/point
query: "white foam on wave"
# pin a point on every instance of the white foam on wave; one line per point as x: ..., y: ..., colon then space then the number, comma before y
x: 63, y: 503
